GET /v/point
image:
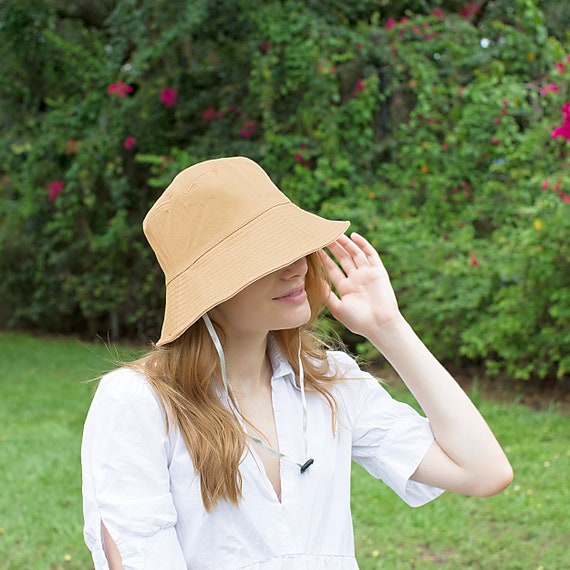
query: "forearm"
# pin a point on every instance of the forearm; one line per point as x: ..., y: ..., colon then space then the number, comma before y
x: 458, y: 427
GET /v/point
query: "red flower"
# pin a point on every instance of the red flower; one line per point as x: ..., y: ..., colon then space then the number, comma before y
x: 129, y: 142
x: 545, y: 184
x: 120, y: 89
x: 469, y: 10
x: 169, y: 97
x: 565, y: 197
x: 54, y: 188
x: 473, y: 261
x: 496, y: 120
x: 495, y: 141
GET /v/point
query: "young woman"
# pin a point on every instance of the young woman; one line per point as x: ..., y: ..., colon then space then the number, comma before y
x: 229, y: 445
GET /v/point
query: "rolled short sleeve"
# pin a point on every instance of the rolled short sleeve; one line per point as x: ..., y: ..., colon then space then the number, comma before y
x: 126, y: 484
x: 389, y: 438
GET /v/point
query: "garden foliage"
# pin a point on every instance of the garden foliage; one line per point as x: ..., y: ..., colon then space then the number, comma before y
x: 440, y: 129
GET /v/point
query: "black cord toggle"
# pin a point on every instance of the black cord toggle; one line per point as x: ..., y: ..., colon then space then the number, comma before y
x: 306, y: 465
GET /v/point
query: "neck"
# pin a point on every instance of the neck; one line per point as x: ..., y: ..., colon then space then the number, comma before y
x: 247, y: 364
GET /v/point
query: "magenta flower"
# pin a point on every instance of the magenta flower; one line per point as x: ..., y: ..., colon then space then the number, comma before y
x: 390, y: 24
x: 120, y: 89
x: 129, y: 142
x: 209, y: 114
x: 54, y: 188
x: 248, y: 130
x: 359, y: 85
x: 169, y: 97
x: 564, y: 129
x: 560, y: 66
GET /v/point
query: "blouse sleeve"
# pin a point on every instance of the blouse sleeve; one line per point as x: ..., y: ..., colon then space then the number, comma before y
x: 125, y: 457
x: 389, y: 438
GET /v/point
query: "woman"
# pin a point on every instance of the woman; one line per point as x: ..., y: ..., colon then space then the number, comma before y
x: 230, y: 444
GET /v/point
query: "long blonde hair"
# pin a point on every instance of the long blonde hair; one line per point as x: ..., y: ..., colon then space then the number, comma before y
x: 186, y: 376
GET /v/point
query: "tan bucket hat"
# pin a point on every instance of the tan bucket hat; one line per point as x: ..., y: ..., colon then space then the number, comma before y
x: 218, y: 227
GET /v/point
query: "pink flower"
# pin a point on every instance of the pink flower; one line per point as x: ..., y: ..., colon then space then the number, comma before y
x: 496, y: 120
x: 438, y: 13
x: 568, y: 58
x: 560, y: 66
x: 248, y: 130
x: 120, y: 89
x: 495, y: 141
x: 390, y: 24
x: 503, y: 112
x: 129, y: 142
x: 565, y: 197
x: 404, y: 20
x: 359, y: 85
x: 473, y: 261
x: 169, y: 97
x: 54, y: 188
x: 505, y: 102
x: 545, y: 184
x: 551, y: 87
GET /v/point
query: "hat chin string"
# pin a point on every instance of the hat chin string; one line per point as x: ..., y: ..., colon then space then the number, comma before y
x: 231, y: 399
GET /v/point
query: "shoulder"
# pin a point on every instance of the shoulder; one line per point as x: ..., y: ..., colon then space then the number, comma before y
x: 352, y: 384
x: 125, y: 391
x: 345, y: 367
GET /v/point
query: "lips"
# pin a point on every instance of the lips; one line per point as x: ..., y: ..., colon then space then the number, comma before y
x: 292, y: 295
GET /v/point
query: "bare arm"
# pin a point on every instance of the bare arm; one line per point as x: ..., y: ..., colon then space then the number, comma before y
x: 465, y: 457
x: 111, y: 550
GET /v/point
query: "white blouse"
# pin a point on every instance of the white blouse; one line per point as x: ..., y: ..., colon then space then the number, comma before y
x: 140, y: 481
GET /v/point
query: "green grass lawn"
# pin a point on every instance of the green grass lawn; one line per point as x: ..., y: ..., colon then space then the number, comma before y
x: 43, y: 402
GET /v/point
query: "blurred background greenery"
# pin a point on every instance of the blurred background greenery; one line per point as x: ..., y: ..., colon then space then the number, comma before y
x: 438, y: 127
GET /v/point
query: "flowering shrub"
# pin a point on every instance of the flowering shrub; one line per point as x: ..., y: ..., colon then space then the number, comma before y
x: 439, y: 134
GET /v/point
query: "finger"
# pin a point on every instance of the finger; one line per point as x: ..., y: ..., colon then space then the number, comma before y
x: 367, y: 249
x: 339, y: 250
x: 334, y: 272
x: 354, y: 249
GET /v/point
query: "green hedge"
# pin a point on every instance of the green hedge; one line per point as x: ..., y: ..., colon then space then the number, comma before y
x: 429, y: 125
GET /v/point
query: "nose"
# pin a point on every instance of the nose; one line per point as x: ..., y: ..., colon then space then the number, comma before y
x: 296, y: 269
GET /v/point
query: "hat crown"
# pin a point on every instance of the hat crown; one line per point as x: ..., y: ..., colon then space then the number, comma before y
x: 203, y: 205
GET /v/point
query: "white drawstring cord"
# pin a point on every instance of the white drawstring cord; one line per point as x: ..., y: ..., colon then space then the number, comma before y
x: 218, y: 345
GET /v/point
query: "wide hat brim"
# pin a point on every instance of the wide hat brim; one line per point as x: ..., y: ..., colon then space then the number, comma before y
x: 270, y: 242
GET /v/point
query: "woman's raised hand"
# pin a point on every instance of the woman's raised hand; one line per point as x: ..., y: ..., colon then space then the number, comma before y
x: 363, y: 298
